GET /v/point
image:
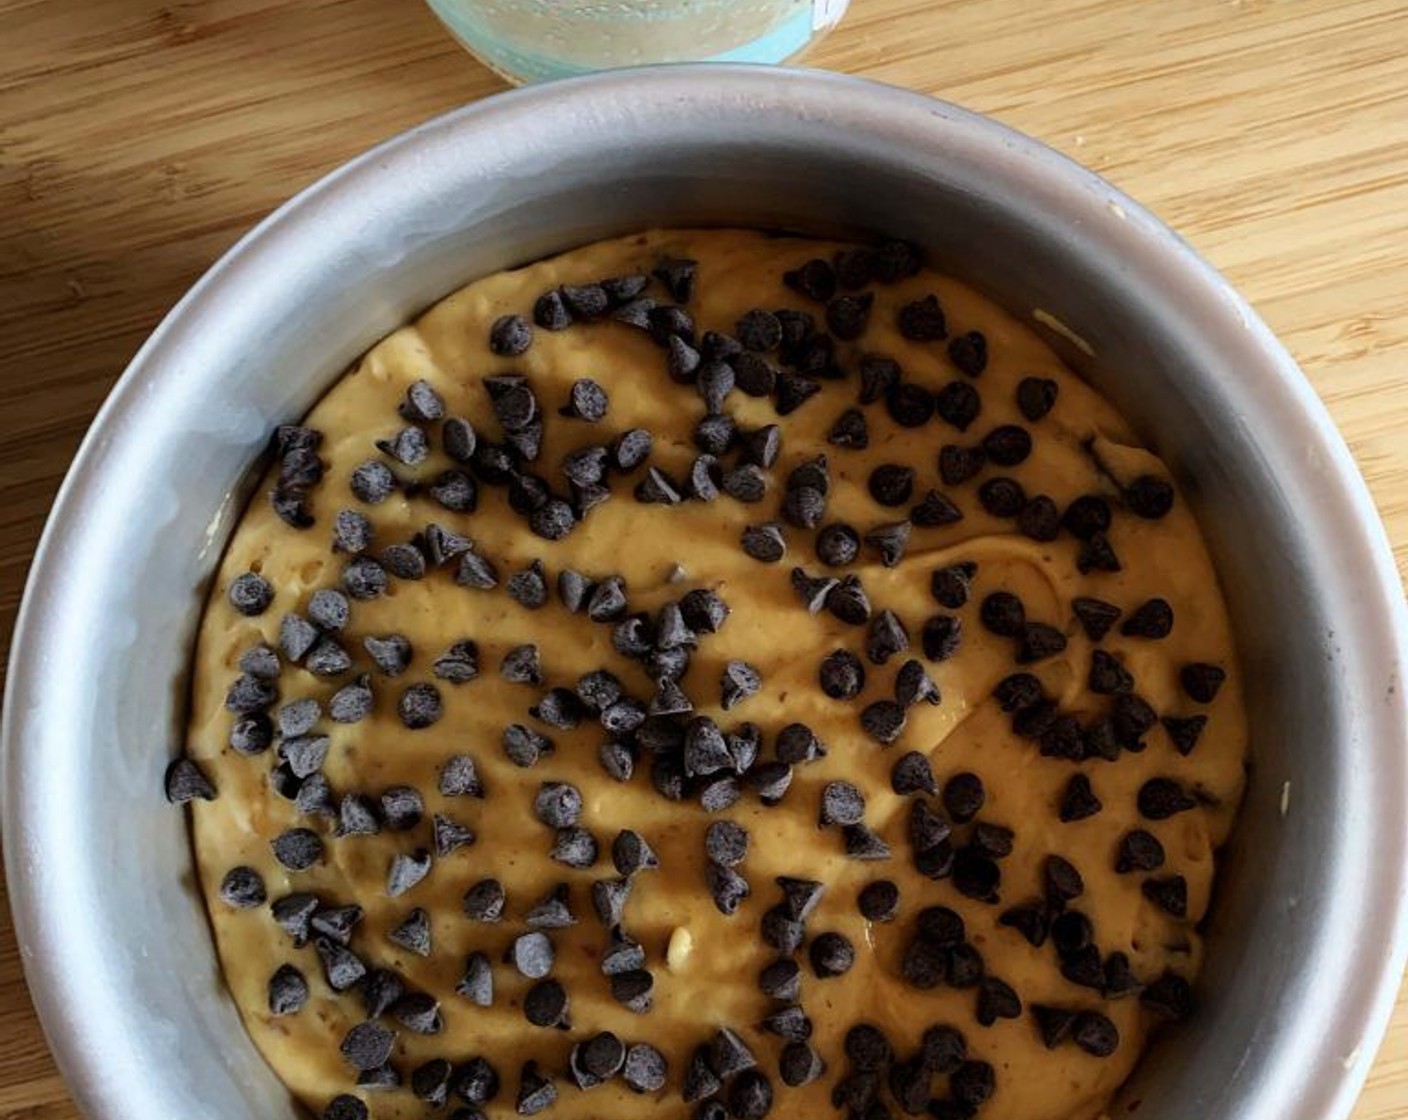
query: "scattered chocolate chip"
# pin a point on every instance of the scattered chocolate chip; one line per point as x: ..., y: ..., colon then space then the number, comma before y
x: 288, y: 991
x: 1002, y: 614
x: 889, y: 541
x: 1061, y: 881
x: 864, y: 843
x: 644, y: 1069
x: 1040, y: 519
x: 831, y: 954
x: 941, y: 636
x: 550, y: 311
x: 293, y: 914
x: 342, y: 968
x: 475, y: 1082
x: 958, y: 405
x: 1008, y: 445
x: 781, y: 980
x: 1170, y: 996
x: 185, y: 781
x: 1201, y: 681
x: 430, y: 1082
x: 1184, y: 731
x: 726, y: 843
x: 1151, y: 619
x: 242, y: 888
x: 842, y: 675
x: 1095, y: 616
x: 815, y: 280
x: 764, y: 542
x: 524, y: 746
x: 1002, y: 497
x: 536, y: 1091
x: 297, y: 849
x: 959, y: 464
x: 780, y: 929
x: 841, y: 803
x: 727, y: 888
x: 633, y: 990
x: 367, y: 1045
x: 357, y: 816
x: 910, y: 405
x: 406, y: 870
x: 883, y: 721
x: 913, y: 685
x: 700, y: 1081
x: 1149, y: 497
x: 609, y: 898
x: 750, y: 1096
x: 252, y: 733
x: 1169, y: 894
x: 345, y: 1106
x: 814, y: 590
x: 1039, y: 641
x: 477, y: 984
x: 745, y: 483
x: 1097, y: 555
x: 848, y: 601
x: 1161, y: 798
x: 847, y: 316
x: 886, y: 638
x: 413, y: 934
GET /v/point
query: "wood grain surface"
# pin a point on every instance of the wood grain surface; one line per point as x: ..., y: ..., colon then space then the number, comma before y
x: 140, y: 138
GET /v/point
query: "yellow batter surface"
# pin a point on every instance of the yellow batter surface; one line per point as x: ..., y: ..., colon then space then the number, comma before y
x: 705, y: 964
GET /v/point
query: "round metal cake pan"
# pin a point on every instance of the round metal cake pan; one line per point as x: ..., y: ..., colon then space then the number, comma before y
x: 1306, y: 939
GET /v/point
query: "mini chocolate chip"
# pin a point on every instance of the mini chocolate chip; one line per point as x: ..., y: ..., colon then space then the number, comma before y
x: 252, y: 733
x: 1040, y: 519
x: 814, y: 590
x: 455, y: 491
x: 357, y: 816
x: 511, y: 335
x: 934, y: 511
x: 883, y: 721
x: 781, y: 930
x: 1170, y: 996
x: 1095, y: 1034
x: 701, y: 1083
x: 745, y: 483
x: 740, y: 681
x: 910, y: 405
x: 750, y: 1096
x: 764, y: 542
x: 781, y: 980
x: 557, y: 804
x: 726, y: 843
x: 958, y: 405
x: 242, y: 888
x: 1097, y: 555
x: 727, y: 888
x: 636, y: 312
x: 1169, y: 894
x: 992, y: 840
x: 609, y: 898
x: 420, y: 706
x: 450, y: 835
x: 889, y: 541
x: 314, y: 797
x: 552, y: 521
x: 364, y: 578
x: 552, y: 911
x: 814, y: 279
x: 1161, y: 798
x: 1054, y: 1024
x: 1095, y: 616
x: 291, y: 505
x: 293, y: 914
x: 927, y: 830
x: 842, y: 675
x: 558, y: 707
x: 1184, y: 731
x: 550, y: 311
x: 345, y: 1106
x: 633, y: 990
x: 1002, y: 497
x: 849, y: 602
x: 886, y: 638
x: 524, y: 746
x: 406, y: 870
x: 1151, y: 619
x: 1071, y: 932
x: 288, y: 991
x: 681, y: 360
x: 1002, y: 614
x: 1007, y: 445
x: 623, y: 955
x: 758, y: 330
x: 1139, y: 851
x: 712, y: 436
x: 1201, y: 681
x: 1036, y: 396
x: 677, y: 274
x: 864, y: 843
x: 1108, y: 676
x: 575, y: 847
x: 372, y: 482
x: 715, y: 381
x: 430, y: 1082
x: 976, y: 875
x: 644, y: 1069
x: 941, y: 636
x: 959, y: 464
x: 849, y: 431
x: 963, y: 796
x: 475, y: 1082
x: 477, y: 984
x: 1079, y: 801
x: 297, y: 636
x: 912, y: 774
x: 617, y: 759
x: 1087, y: 516
x: 409, y: 446
x: 260, y: 662
x: 545, y: 1005
x: 923, y: 320
x: 913, y: 685
x: 297, y: 849
x: 250, y: 594
x: 847, y: 316
x: 367, y: 1045
x: 1032, y: 921
x: 413, y: 934
x: 1039, y: 641
x: 793, y: 391
x: 1149, y: 497
x: 771, y: 780
x: 1061, y: 881
x: 186, y: 781
x: 536, y: 1091
x: 630, y: 449
x: 837, y: 545
x: 532, y: 955
x: 841, y: 803
x: 803, y: 507
x: 831, y: 954
x: 799, y: 1064
x: 342, y: 968
x: 327, y: 659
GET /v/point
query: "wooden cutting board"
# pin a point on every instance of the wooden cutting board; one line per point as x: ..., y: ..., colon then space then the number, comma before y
x: 140, y: 138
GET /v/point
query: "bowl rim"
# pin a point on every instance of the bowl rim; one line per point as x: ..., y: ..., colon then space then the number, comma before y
x: 30, y: 832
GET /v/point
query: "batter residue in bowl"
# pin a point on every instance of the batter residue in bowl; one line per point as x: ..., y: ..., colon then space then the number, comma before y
x: 708, y: 673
